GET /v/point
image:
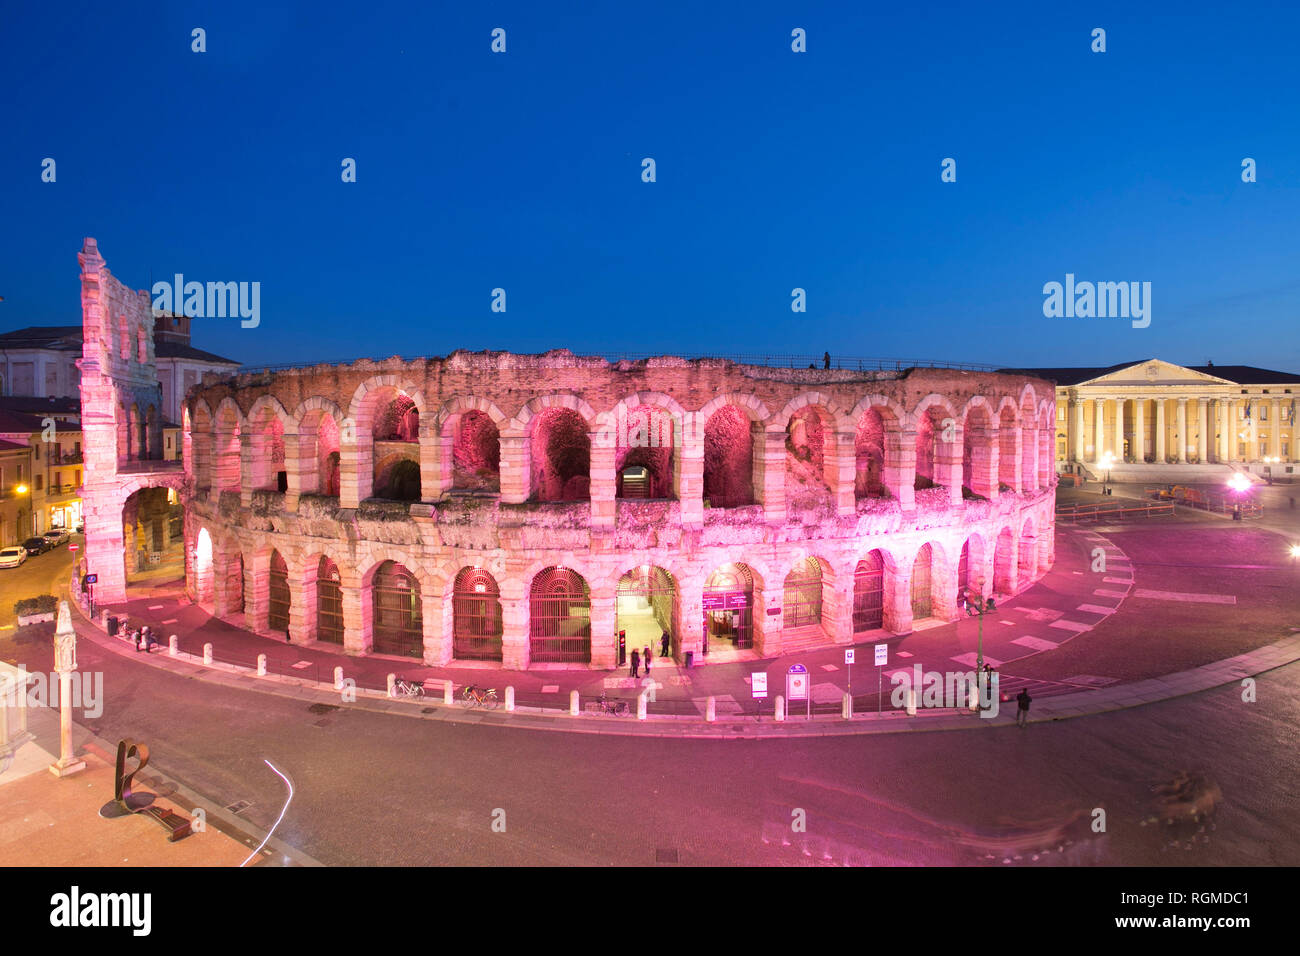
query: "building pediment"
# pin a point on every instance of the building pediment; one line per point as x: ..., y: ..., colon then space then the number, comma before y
x: 1156, y: 372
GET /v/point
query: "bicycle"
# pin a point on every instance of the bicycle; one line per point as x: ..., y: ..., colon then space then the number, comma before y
x: 612, y: 708
x: 405, y: 688
x: 476, y: 695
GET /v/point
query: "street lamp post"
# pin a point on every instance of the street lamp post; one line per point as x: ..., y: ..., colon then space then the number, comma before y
x: 1107, y: 460
x: 21, y: 489
x: 977, y: 606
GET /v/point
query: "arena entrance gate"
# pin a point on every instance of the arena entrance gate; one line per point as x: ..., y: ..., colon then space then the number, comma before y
x: 645, y: 607
x: 728, y: 603
x: 559, y: 620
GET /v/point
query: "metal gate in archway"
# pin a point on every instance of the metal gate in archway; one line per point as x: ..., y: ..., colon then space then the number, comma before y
x: 329, y: 603
x: 728, y: 602
x: 922, y: 605
x: 476, y: 616
x: 963, y: 570
x: 803, y: 594
x: 278, y: 598
x: 397, y: 619
x: 869, y: 593
x: 559, y: 619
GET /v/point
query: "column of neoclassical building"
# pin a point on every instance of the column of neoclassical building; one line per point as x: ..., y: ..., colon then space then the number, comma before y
x: 1179, y: 428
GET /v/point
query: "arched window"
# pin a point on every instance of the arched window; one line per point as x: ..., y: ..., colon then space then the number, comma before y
x: 728, y: 459
x: 397, y: 618
x: 476, y: 616
x: 559, y: 620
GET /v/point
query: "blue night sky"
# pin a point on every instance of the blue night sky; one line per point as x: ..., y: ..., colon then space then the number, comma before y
x: 522, y: 170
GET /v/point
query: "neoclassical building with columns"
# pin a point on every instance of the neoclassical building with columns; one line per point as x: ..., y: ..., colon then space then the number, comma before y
x: 533, y: 510
x: 1155, y: 412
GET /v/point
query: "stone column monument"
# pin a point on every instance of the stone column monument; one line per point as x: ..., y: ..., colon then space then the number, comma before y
x: 65, y: 662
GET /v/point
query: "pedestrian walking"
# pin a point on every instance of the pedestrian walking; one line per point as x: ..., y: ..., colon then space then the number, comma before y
x: 645, y: 656
x: 1022, y: 702
x: 664, y: 641
x: 636, y: 663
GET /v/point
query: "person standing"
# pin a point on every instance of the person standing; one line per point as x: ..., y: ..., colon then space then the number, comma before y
x: 636, y: 663
x: 1022, y: 703
x: 664, y: 641
x: 645, y: 656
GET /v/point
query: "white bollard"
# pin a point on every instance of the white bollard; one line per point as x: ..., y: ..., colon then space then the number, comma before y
x: 392, y: 685
x: 261, y: 665
x: 510, y: 697
x: 338, y: 678
x: 911, y: 703
x: 446, y: 692
x: 711, y: 709
x: 780, y: 707
x: 173, y: 645
x: 573, y: 704
x: 974, y: 698
x: 642, y: 699
x: 847, y: 710
x: 207, y: 654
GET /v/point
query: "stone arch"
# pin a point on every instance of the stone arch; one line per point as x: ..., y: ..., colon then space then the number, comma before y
x: 813, y: 424
x: 200, y: 444
x: 645, y: 432
x: 373, y: 399
x: 808, y: 589
x: 1008, y: 445
x: 477, y: 621
x: 469, y: 432
x: 1046, y: 442
x: 732, y: 440
x: 732, y: 602
x: 315, y: 430
x: 228, y: 425
x: 971, y: 567
x: 267, y: 424
x: 878, y: 423
x: 1004, y: 561
x: 928, y: 582
x: 979, y: 450
x: 938, y: 444
x: 1028, y: 439
x: 1027, y: 553
x: 559, y: 616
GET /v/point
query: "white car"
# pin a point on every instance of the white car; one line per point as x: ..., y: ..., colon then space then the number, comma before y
x: 12, y: 557
x: 57, y: 536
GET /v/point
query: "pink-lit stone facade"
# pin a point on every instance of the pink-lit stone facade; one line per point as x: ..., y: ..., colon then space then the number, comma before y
x: 496, y: 468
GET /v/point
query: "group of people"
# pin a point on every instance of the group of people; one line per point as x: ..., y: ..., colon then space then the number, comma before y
x: 143, y: 638
x: 643, y: 656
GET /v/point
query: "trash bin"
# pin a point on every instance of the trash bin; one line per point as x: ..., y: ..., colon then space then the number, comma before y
x: 689, y: 659
x: 112, y: 626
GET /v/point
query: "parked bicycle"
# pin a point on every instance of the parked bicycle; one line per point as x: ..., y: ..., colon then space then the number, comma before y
x: 480, y: 695
x: 406, y: 688
x: 613, y: 708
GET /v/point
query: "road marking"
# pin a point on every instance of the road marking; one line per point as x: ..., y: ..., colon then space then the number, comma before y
x: 155, y: 607
x: 551, y: 689
x: 1118, y: 580
x: 1107, y: 592
x: 300, y: 665
x: 829, y: 667
x: 1071, y: 626
x: 1034, y: 643
x: 903, y: 654
x: 1096, y: 609
x: 1185, y: 596
x: 1008, y: 623
x: 1090, y: 680
x: 170, y: 620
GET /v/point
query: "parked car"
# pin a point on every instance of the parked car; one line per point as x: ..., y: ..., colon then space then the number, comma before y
x: 57, y: 536
x: 36, y: 546
x: 12, y: 557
